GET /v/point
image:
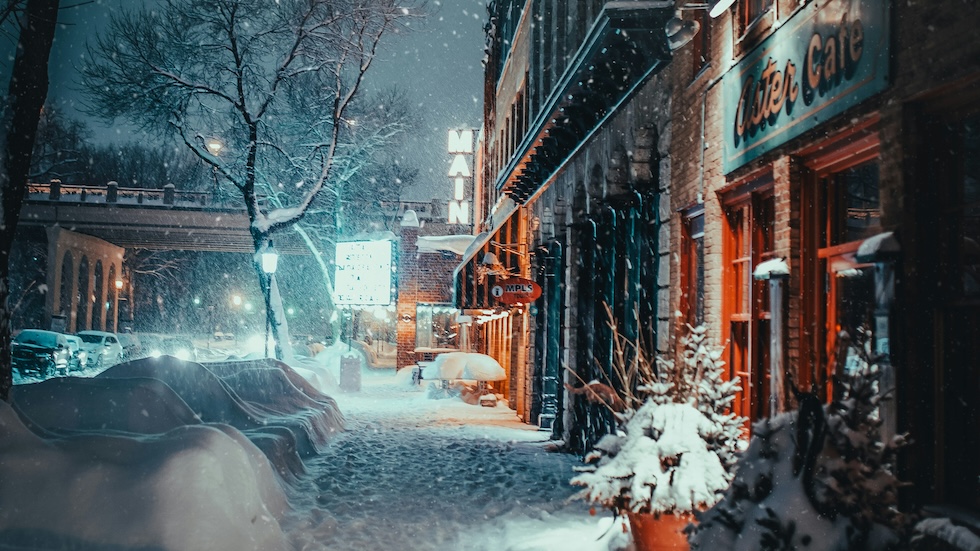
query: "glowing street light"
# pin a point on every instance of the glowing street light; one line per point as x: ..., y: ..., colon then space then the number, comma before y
x: 214, y: 146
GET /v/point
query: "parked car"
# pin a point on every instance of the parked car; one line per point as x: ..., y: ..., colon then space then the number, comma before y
x: 103, y: 348
x: 78, y: 355
x: 132, y: 346
x: 39, y: 351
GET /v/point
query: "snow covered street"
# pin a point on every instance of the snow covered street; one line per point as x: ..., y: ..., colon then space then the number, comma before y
x: 418, y: 473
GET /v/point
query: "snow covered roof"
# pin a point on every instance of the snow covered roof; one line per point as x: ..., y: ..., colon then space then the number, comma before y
x: 452, y: 243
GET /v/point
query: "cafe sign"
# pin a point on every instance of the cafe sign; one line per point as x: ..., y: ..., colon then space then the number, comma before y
x: 827, y: 58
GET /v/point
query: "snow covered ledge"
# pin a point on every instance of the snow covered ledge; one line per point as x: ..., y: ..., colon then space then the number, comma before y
x: 777, y: 267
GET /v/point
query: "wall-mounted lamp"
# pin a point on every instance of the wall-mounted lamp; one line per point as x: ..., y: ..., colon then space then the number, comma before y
x: 681, y: 31
x: 489, y: 259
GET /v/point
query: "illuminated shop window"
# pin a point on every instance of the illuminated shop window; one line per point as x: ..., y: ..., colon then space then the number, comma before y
x: 436, y: 326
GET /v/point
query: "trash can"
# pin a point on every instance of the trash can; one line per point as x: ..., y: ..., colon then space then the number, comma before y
x: 350, y: 374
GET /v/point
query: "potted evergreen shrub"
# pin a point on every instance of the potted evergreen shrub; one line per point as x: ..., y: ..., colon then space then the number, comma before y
x: 675, y: 447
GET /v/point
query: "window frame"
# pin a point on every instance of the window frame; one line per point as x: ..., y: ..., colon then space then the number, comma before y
x: 743, y: 205
x: 851, y: 148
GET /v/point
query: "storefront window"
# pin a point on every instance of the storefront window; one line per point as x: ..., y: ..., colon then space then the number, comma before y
x: 693, y: 267
x: 436, y: 326
x: 848, y: 211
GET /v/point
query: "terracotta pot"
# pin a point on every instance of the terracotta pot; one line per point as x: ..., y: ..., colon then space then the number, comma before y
x: 663, y: 533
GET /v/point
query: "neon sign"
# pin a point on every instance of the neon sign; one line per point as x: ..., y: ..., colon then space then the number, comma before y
x: 461, y: 147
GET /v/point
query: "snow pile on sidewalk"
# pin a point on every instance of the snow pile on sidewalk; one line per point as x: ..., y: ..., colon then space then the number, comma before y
x: 195, y: 487
x: 158, y: 453
x: 464, y: 365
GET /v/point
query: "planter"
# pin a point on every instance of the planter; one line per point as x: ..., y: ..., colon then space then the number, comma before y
x: 662, y: 533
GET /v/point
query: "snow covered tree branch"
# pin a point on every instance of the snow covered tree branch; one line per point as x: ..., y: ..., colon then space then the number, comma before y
x: 276, y: 83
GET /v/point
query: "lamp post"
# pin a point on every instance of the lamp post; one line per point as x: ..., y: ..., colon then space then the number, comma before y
x: 269, y: 258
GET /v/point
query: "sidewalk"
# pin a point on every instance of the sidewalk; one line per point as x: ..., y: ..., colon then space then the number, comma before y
x: 415, y: 473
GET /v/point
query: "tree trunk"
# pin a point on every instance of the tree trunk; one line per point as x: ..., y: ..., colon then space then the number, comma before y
x: 18, y: 130
x: 275, y: 316
x: 328, y: 280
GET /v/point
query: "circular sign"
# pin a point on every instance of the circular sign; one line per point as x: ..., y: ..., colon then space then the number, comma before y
x: 516, y: 290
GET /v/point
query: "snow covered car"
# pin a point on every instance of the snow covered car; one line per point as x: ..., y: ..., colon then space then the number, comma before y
x: 39, y: 351
x: 103, y: 348
x: 78, y: 355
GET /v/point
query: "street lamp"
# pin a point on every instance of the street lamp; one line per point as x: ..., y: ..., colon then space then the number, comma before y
x: 214, y: 145
x: 269, y: 258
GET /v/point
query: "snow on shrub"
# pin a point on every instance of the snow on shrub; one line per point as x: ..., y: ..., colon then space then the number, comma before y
x: 674, y: 452
x: 819, y: 478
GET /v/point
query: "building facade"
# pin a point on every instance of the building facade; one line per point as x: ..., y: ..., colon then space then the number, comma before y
x: 572, y: 194
x: 840, y: 136
x: 642, y: 180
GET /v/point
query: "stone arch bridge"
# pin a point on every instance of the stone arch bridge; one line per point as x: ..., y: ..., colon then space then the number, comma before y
x: 89, y: 228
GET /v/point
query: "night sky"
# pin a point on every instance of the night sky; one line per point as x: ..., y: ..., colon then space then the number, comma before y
x: 438, y: 65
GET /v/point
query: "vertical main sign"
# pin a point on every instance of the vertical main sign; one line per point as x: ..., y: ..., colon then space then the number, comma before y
x: 461, y: 148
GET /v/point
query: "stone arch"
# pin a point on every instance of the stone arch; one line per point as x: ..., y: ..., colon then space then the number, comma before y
x: 83, y: 296
x: 98, y: 294
x: 65, y: 291
x: 113, y: 300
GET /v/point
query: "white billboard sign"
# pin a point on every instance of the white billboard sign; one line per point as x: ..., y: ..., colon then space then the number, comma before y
x: 363, y: 273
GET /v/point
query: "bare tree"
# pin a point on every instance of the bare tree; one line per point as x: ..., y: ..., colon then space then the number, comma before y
x: 272, y: 82
x: 33, y: 23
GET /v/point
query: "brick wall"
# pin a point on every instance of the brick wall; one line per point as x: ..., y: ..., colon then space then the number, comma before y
x: 422, y: 277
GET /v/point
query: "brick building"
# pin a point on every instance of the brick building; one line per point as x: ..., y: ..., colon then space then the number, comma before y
x: 571, y: 192
x: 620, y: 165
x: 842, y: 136
x: 424, y: 293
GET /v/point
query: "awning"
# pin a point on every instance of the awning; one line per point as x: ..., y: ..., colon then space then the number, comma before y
x: 626, y: 46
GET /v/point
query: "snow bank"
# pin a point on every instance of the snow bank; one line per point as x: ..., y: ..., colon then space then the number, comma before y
x: 469, y: 366
x: 195, y: 487
x: 210, y: 398
x: 139, y: 405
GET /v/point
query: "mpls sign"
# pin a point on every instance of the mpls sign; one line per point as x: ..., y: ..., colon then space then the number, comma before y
x: 516, y: 290
x: 827, y: 58
x: 461, y: 148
